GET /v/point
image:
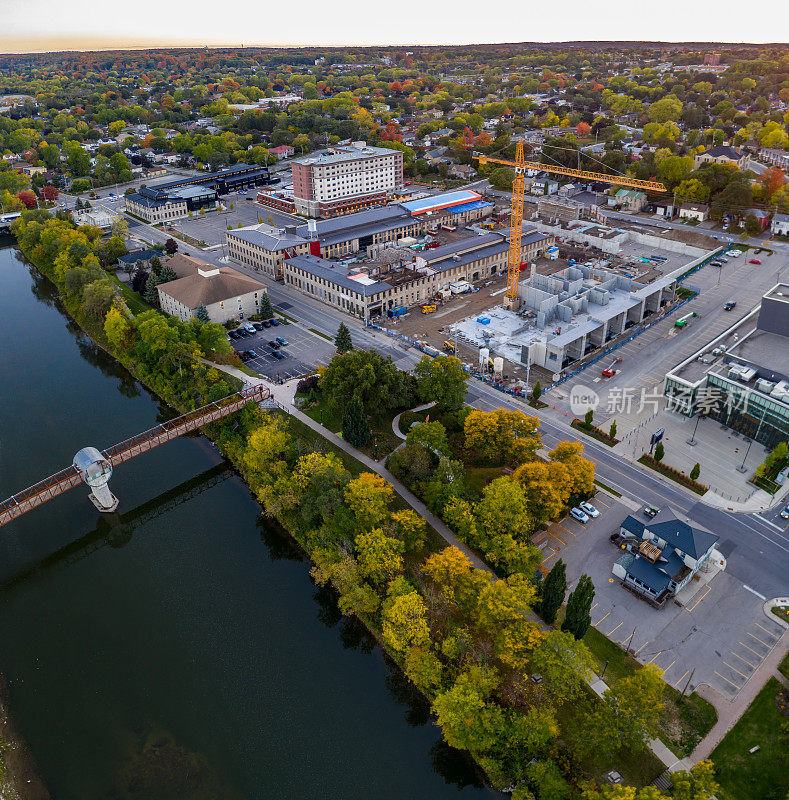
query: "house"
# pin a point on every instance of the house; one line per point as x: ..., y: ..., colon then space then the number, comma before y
x: 775, y: 157
x: 668, y: 553
x: 762, y: 217
x: 780, y: 224
x: 630, y: 199
x: 699, y: 211
x: 543, y: 186
x: 724, y: 154
x: 283, y: 151
x: 135, y: 259
x: 464, y: 171
x: 225, y: 293
x: 437, y: 156
x: 664, y: 208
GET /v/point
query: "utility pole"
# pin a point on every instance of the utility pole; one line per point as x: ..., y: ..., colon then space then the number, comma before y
x: 688, y: 683
x: 631, y: 640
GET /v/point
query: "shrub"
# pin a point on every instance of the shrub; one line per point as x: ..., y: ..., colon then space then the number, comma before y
x: 306, y: 385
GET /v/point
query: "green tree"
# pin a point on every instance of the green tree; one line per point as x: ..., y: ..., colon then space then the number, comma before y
x: 201, y: 313
x: 752, y: 225
x: 432, y: 435
x: 156, y: 266
x: 660, y: 451
x: 579, y: 605
x: 548, y: 780
x: 374, y: 379
x: 151, y: 295
x: 695, y: 472
x: 636, y: 704
x: 266, y: 309
x: 565, y: 663
x: 553, y: 589
x: 589, y: 416
x: 380, y: 556
x: 536, y: 392
x: 355, y: 428
x: 342, y: 340
x: 612, y: 430
x: 167, y: 274
x: 442, y: 381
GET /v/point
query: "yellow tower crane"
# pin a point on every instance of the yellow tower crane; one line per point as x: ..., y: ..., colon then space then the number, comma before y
x: 520, y: 165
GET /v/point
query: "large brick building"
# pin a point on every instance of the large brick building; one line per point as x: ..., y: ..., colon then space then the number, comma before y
x: 342, y: 180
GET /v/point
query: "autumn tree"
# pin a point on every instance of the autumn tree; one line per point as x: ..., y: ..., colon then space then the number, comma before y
x: 553, y: 588
x: 502, y: 435
x: 580, y: 471
x: 503, y: 509
x: 636, y: 704
x: 579, y: 604
x: 404, y: 618
x: 565, y: 663
x: 380, y: 556
x: 368, y: 497
x: 171, y: 247
x: 442, y: 381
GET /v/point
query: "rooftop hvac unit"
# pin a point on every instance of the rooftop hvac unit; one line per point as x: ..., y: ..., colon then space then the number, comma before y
x: 765, y: 386
x: 747, y: 374
x: 734, y: 371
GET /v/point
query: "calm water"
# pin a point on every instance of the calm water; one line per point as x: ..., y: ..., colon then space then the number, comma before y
x: 177, y: 648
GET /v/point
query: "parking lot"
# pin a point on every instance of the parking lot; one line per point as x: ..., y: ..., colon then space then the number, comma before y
x: 211, y: 227
x: 303, y: 353
x: 719, y: 637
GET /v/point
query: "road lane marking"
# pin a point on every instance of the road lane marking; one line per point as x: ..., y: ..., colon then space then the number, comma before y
x: 709, y: 589
x: 753, y: 591
x: 605, y: 617
x: 735, y: 670
x: 669, y: 667
x: 759, y: 655
x: 752, y: 666
x: 769, y: 633
x: 651, y: 660
x: 681, y: 679
x: 642, y: 647
x: 757, y: 639
x: 602, y: 503
x: 728, y: 681
x: 616, y: 629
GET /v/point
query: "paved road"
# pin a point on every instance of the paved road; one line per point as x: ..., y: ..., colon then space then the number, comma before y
x: 756, y: 545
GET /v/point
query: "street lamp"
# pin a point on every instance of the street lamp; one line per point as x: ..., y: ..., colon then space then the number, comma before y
x: 692, y: 440
x: 602, y: 674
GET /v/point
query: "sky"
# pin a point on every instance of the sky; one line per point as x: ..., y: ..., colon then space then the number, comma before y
x: 36, y: 25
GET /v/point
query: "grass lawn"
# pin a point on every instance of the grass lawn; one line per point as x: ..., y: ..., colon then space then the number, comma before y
x: 136, y: 304
x: 477, y: 478
x: 763, y: 775
x: 784, y: 667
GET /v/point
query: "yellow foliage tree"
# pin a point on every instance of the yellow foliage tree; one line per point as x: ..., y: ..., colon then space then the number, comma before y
x: 502, y: 435
x: 116, y: 329
x: 380, y: 556
x: 368, y: 496
x: 404, y: 622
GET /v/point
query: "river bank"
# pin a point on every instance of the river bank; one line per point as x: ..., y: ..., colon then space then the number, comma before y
x: 450, y: 765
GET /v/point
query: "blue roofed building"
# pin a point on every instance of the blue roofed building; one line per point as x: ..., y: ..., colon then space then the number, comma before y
x: 671, y: 552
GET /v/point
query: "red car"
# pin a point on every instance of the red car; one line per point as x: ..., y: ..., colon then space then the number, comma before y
x: 754, y: 261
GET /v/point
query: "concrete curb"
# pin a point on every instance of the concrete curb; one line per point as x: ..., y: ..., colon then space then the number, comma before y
x: 769, y: 605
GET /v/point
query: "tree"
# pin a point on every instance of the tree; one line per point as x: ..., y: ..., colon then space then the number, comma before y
x: 669, y: 108
x: 549, y: 781
x: 368, y: 497
x: 380, y: 556
x: 171, y: 247
x: 201, y: 313
x: 151, y: 295
x: 404, y: 618
x: 502, y: 435
x: 589, y: 416
x: 167, y: 274
x: 432, y: 435
x: 752, y: 225
x: 536, y: 392
x: 342, y: 340
x: 579, y: 606
x: 660, y: 451
x: 565, y: 663
x: 355, y: 428
x: 504, y: 509
x: 156, y: 266
x: 695, y: 472
x: 553, y: 589
x: 116, y: 328
x: 266, y: 309
x: 612, y: 430
x: 636, y: 704
x: 367, y: 374
x: 442, y: 381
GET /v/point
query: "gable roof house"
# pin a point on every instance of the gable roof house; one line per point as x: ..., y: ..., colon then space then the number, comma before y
x: 670, y: 553
x: 723, y: 154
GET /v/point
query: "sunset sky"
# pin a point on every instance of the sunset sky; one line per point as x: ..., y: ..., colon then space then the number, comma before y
x: 33, y: 25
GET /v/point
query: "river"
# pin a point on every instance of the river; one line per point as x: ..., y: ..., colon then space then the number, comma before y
x: 176, y: 649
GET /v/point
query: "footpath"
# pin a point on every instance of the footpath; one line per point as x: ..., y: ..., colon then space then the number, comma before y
x: 284, y: 395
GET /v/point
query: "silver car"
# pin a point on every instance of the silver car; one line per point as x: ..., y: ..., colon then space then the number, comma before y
x: 589, y: 509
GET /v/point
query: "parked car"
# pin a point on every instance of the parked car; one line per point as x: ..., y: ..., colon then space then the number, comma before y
x: 273, y: 344
x: 282, y: 341
x: 259, y: 326
x: 729, y: 306
x: 247, y: 355
x: 234, y: 334
x: 249, y: 327
x: 589, y: 509
x: 651, y: 511
x: 754, y: 261
x: 274, y: 322
x: 266, y: 323
x: 278, y: 355
x: 242, y: 332
x: 785, y: 513
x: 576, y: 513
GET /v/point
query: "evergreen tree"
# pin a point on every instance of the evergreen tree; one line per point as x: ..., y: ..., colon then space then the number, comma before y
x: 612, y: 430
x: 536, y: 391
x: 553, y: 588
x: 201, y: 313
x: 695, y: 472
x: 579, y: 606
x: 589, y: 416
x: 355, y: 428
x: 151, y: 296
x: 343, y: 339
x: 266, y: 309
x: 156, y: 266
x: 660, y: 451
x: 166, y: 274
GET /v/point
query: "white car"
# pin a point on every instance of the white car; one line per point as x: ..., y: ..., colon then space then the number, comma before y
x: 589, y: 509
x: 576, y: 513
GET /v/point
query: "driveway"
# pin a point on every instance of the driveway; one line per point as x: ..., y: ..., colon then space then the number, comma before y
x: 718, y: 638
